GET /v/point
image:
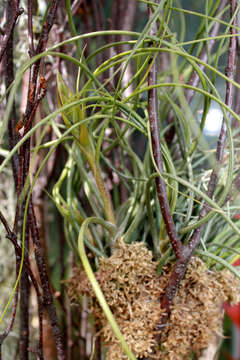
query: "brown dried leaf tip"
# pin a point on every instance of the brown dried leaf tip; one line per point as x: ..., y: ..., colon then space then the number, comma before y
x: 133, y: 291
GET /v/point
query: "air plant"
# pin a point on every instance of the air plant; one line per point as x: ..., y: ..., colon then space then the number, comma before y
x: 151, y: 227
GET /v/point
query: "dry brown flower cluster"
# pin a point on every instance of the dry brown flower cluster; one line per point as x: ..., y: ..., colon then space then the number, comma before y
x: 133, y: 291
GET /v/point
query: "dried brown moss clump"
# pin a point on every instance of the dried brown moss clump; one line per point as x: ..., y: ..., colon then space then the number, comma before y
x: 133, y: 290
x: 197, y: 313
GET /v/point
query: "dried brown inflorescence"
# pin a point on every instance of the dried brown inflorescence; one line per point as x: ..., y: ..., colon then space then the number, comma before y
x: 133, y: 291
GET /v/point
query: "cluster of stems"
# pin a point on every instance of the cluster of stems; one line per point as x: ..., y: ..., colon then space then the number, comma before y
x: 25, y: 225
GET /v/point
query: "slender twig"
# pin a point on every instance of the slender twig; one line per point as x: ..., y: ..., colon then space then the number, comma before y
x: 34, y: 97
x: 18, y: 251
x: 5, y: 224
x: 12, y: 13
x: 9, y: 78
x: 41, y: 46
x: 12, y: 237
x: 10, y: 325
x: 69, y: 329
x: 30, y: 29
x: 24, y: 305
x: 157, y: 153
x: 4, y: 335
x: 10, y: 27
x: 48, y: 298
x: 41, y: 93
x: 24, y: 159
x: 21, y: 169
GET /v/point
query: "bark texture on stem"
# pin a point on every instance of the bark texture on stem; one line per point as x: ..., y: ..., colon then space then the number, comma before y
x: 157, y: 153
x: 16, y: 11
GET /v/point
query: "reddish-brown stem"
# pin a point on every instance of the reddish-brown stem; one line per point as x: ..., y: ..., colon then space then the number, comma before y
x: 16, y: 12
x: 24, y: 288
x: 15, y: 299
x: 10, y: 325
x: 12, y: 13
x: 69, y: 319
x: 42, y: 43
x: 30, y: 29
x: 12, y: 237
x: 42, y: 268
x: 34, y: 97
x: 9, y: 78
x: 21, y: 169
x: 157, y: 154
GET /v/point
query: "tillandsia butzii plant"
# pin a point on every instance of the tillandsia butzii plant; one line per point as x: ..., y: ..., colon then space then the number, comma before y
x: 113, y: 131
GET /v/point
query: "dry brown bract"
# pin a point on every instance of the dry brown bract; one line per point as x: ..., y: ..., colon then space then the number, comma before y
x: 133, y: 290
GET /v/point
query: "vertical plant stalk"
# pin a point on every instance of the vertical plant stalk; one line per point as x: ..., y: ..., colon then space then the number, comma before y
x: 69, y: 316
x: 24, y: 305
x: 12, y: 237
x: 24, y: 161
x: 16, y: 11
x: 30, y: 29
x: 157, y: 154
x: 34, y: 97
x: 47, y: 295
x: 13, y: 315
x: 181, y: 264
x: 41, y: 47
x: 49, y: 348
x: 12, y: 13
x: 9, y: 327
